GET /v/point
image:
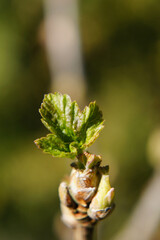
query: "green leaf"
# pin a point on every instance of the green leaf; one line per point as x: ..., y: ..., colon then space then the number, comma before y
x: 72, y: 130
x: 55, y: 146
x: 92, y: 124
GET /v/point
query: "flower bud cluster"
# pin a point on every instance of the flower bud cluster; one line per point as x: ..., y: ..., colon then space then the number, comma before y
x: 86, y: 196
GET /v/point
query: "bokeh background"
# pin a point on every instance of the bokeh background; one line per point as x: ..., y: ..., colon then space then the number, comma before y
x: 120, y: 49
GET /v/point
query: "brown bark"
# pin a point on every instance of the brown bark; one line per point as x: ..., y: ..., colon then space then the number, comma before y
x: 83, y: 233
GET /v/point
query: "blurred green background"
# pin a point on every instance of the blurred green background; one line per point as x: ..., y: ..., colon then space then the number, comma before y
x: 121, y: 53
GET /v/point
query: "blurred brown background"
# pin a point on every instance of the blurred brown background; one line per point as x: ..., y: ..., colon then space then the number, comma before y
x: 117, y: 44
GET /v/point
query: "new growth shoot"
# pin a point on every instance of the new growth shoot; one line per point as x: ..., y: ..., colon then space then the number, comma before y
x: 86, y: 196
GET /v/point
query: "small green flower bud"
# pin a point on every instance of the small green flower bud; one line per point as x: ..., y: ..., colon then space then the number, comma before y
x: 102, y: 203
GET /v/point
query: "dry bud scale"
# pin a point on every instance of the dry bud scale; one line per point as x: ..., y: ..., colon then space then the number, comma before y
x: 86, y: 195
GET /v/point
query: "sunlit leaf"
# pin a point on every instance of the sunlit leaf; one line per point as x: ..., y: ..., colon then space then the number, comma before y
x: 72, y: 130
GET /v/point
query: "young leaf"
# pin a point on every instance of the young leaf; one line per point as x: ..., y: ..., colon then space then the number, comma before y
x: 55, y: 146
x: 92, y: 124
x: 72, y: 131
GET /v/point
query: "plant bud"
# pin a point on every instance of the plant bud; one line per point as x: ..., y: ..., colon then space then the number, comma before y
x: 93, y: 160
x: 64, y: 195
x: 83, y: 185
x: 89, y: 160
x: 102, y: 203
